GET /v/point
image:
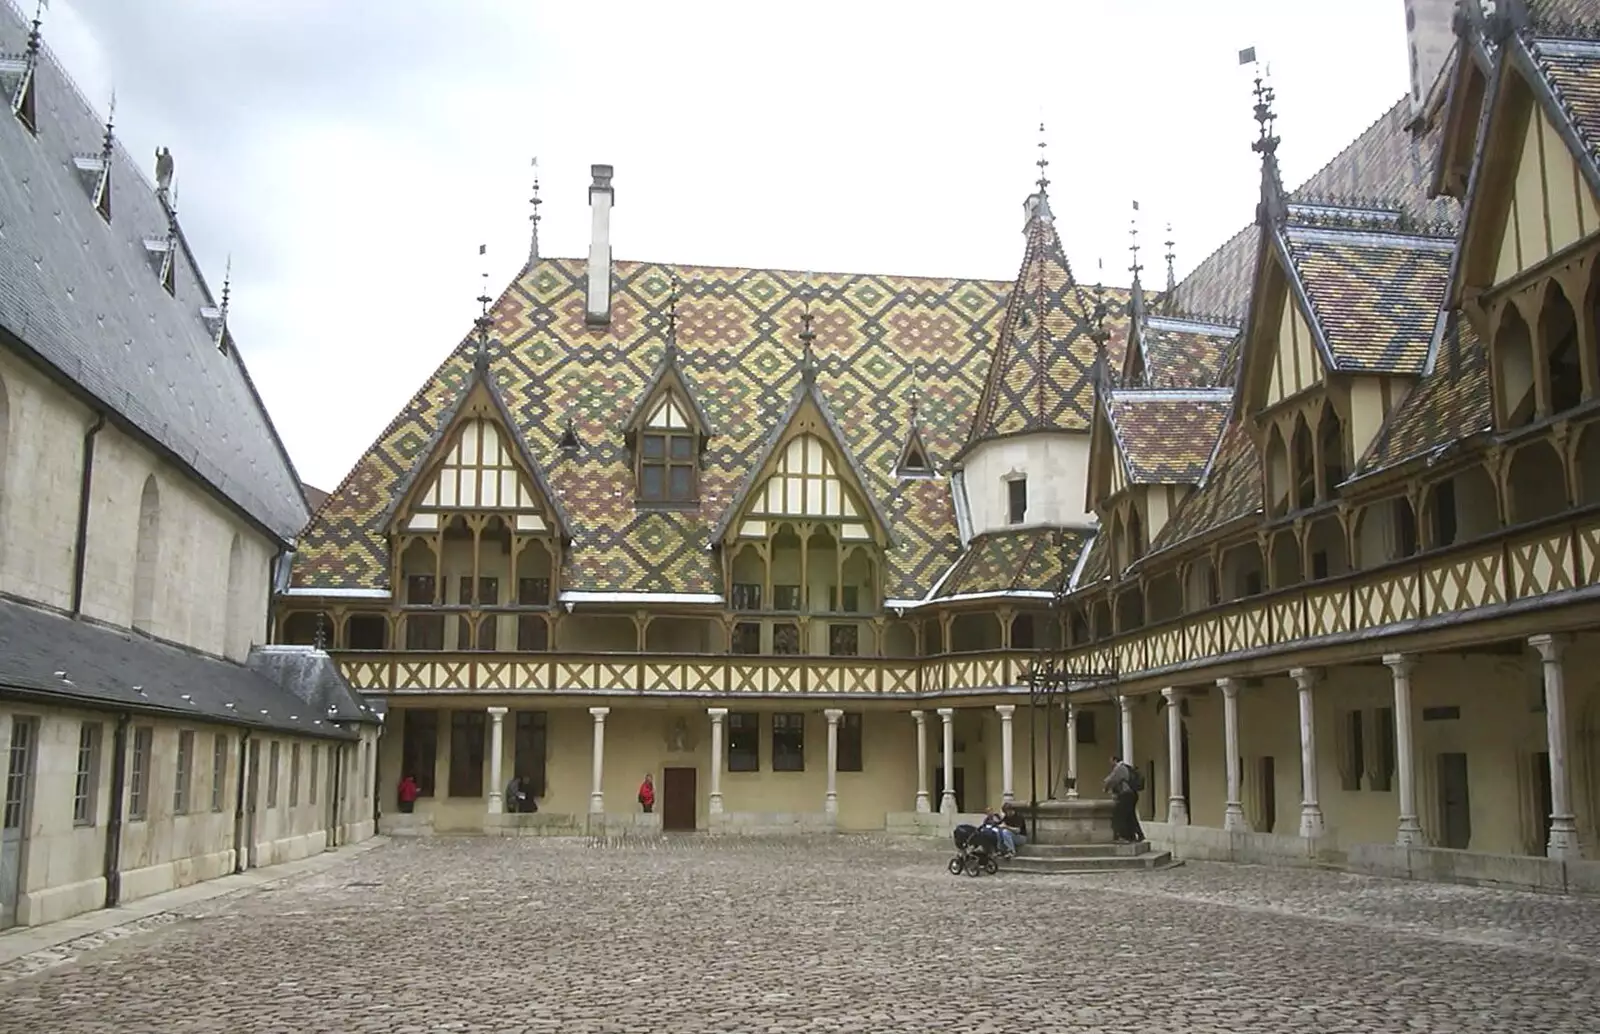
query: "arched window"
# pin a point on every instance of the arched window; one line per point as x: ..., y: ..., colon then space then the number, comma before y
x: 147, y: 556
x: 1330, y: 443
x: 233, y: 614
x: 1277, y: 474
x: 1558, y: 326
x: 1513, y: 351
x: 1135, y: 536
x: 1305, y: 466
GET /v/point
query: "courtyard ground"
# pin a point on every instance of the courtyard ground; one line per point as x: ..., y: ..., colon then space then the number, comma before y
x: 833, y: 934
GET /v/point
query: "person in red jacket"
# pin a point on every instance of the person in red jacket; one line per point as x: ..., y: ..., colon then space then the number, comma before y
x: 409, y: 792
x: 647, y: 794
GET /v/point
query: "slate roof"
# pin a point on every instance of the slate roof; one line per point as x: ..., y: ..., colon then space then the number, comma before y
x: 110, y: 668
x: 85, y: 298
x: 1571, y: 67
x: 1032, y: 559
x: 1450, y: 403
x: 877, y: 339
x: 1376, y: 295
x: 1184, y: 353
x: 1166, y: 437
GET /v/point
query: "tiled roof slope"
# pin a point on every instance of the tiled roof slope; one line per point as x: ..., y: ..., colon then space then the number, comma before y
x: 1034, y: 559
x: 85, y: 298
x: 1572, y: 18
x: 877, y: 338
x: 1218, y: 289
x: 1450, y: 403
x: 1572, y: 69
x: 1042, y: 376
x: 1376, y: 295
x: 1184, y: 353
x: 1231, y: 490
x: 1167, y: 437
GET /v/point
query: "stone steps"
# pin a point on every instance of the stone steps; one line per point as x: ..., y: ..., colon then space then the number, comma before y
x: 1083, y: 850
x: 1063, y: 859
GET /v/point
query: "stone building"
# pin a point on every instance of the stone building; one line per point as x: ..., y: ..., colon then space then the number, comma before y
x: 145, y: 506
x: 1311, y: 533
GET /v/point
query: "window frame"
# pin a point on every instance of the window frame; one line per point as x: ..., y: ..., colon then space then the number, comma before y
x: 139, y: 763
x: 744, y: 729
x: 219, y: 770
x: 851, y: 739
x: 469, y: 737
x: 789, y: 741
x: 671, y: 458
x: 184, y: 772
x: 1014, y: 485
x: 86, y: 779
x: 274, y: 762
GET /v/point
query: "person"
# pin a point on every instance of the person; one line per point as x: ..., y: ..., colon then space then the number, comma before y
x: 647, y: 794
x: 1011, y: 819
x: 1121, y: 784
x: 1005, y: 837
x: 516, y: 796
x: 409, y: 792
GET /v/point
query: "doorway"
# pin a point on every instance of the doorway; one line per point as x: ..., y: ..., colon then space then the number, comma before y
x: 1268, y: 778
x: 678, y: 800
x: 14, y: 817
x: 959, y: 789
x: 1541, y: 775
x: 252, y: 790
x: 1455, y: 804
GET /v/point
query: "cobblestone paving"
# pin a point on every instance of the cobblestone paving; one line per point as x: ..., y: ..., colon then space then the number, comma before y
x: 838, y: 934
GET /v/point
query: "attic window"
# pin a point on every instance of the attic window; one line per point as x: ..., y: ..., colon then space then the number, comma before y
x: 668, y: 470
x: 915, y: 460
x: 1016, y: 500
x: 24, y: 105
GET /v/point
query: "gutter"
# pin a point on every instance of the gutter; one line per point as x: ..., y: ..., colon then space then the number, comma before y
x: 81, y: 541
x: 119, y: 782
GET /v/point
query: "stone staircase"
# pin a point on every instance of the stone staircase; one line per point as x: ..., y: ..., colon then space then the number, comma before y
x: 1057, y: 859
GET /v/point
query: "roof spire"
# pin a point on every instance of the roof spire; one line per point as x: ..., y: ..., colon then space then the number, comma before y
x: 480, y: 359
x: 111, y: 119
x: 102, y: 187
x: 34, y: 35
x: 1272, y: 206
x: 1172, y: 279
x: 1133, y: 243
x: 1043, y: 162
x: 22, y: 101
x: 222, y: 310
x: 672, y: 321
x: 533, y: 217
x: 916, y: 401
x: 1098, y: 333
x: 808, y: 358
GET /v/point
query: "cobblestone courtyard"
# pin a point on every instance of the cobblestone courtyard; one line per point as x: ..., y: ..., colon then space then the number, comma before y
x: 839, y: 934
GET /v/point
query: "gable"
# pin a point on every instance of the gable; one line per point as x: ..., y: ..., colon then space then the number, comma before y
x: 1549, y: 205
x: 1296, y: 365
x: 668, y: 414
x: 1282, y: 356
x: 1106, y: 474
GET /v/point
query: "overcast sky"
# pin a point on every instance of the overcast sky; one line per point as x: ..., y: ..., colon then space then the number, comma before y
x: 352, y: 155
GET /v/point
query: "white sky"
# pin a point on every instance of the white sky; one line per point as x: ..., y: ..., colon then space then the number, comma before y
x: 352, y: 155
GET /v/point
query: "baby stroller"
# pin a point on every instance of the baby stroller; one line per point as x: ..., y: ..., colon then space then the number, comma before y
x: 977, y: 851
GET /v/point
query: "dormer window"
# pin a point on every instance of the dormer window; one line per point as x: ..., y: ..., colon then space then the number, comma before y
x: 668, y: 467
x: 1016, y: 500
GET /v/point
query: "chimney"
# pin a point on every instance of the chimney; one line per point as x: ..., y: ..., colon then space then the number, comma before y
x: 1430, y: 33
x: 601, y: 197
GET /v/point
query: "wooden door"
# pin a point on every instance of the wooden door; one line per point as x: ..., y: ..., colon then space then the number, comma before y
x: 14, y: 802
x: 678, y: 799
x: 1455, y: 803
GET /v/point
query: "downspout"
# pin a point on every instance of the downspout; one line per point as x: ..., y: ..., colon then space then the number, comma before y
x: 338, y: 799
x: 119, y: 782
x: 239, y: 814
x: 81, y: 542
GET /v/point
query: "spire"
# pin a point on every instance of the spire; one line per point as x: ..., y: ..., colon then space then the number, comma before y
x: 169, y: 261
x: 1038, y: 204
x: 808, y: 358
x: 533, y: 216
x: 1172, y: 279
x: 672, y: 322
x: 23, y: 104
x: 1097, y: 334
x: 480, y: 358
x: 102, y: 190
x: 222, y: 310
x: 1135, y: 268
x: 1043, y: 163
x: 1272, y: 207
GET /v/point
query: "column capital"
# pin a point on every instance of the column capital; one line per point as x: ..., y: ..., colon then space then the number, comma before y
x: 1402, y: 664
x: 497, y: 713
x: 717, y: 713
x: 599, y: 713
x: 919, y: 716
x: 947, y: 713
x: 1171, y: 694
x: 832, y: 714
x: 1124, y: 703
x: 1305, y: 678
x: 1229, y: 687
x: 1550, y: 647
x: 1005, y: 711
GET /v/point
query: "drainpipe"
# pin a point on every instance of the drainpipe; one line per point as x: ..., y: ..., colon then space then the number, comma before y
x: 239, y: 812
x: 82, y: 540
x: 338, y: 799
x: 119, y: 782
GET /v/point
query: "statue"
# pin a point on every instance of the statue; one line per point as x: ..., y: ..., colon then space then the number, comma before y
x: 163, y: 170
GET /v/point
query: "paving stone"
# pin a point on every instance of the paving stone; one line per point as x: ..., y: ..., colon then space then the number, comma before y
x: 700, y: 934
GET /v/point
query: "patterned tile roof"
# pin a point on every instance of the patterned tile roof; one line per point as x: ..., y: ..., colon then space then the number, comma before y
x: 1032, y: 559
x: 1451, y: 402
x: 1096, y: 565
x: 1042, y: 377
x: 1375, y: 295
x: 1570, y: 18
x: 1231, y: 489
x: 878, y: 337
x: 1572, y: 69
x: 1166, y: 437
x: 1184, y: 353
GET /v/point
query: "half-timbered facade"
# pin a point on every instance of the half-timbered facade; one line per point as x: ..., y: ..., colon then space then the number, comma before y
x: 1313, y: 525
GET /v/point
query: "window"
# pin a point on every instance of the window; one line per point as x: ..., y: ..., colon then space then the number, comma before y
x: 1252, y: 583
x: 744, y: 742
x: 1016, y: 500
x: 746, y: 638
x: 844, y: 640
x: 786, y: 597
x: 139, y: 777
x: 1319, y: 564
x: 529, y: 753
x: 294, y: 775
x: 488, y: 596
x: 786, y: 638
x: 420, y: 590
x: 1022, y: 637
x: 532, y: 633
x: 84, y: 786
x: 1383, y: 777
x: 311, y: 787
x: 746, y: 596
x: 423, y: 631
x: 851, y: 601
x: 1086, y: 730
x: 667, y: 467
x: 850, y: 742
x: 274, y: 758
x: 1444, y: 513
x: 1355, y: 750
x: 366, y: 769
x: 219, y: 770
x: 533, y: 592
x: 467, y: 734
x: 1405, y: 524
x: 180, y: 784
x: 367, y: 632
x: 19, y: 771
x: 788, y: 743
x: 419, y: 746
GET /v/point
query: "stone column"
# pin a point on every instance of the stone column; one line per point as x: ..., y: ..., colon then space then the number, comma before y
x: 1410, y: 832
x: 1233, y: 819
x: 1007, y: 752
x: 947, y: 800
x: 717, y: 715
x: 1564, y: 843
x: 922, y: 761
x: 1072, y: 751
x: 1311, y: 824
x: 597, y: 794
x: 497, y: 728
x: 1177, y: 804
x: 1125, y: 706
x: 830, y: 802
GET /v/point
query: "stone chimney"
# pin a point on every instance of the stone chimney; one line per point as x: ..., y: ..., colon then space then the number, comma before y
x: 1430, y: 33
x: 601, y: 197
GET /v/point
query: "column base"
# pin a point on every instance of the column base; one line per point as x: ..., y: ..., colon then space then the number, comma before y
x: 1564, y: 843
x: 1410, y: 832
x: 922, y: 803
x: 496, y: 803
x: 1233, y: 820
x: 830, y: 804
x: 1311, y: 825
x: 1177, y: 811
x: 1072, y: 794
x: 947, y: 803
x: 597, y: 804
x: 714, y: 806
x: 1007, y: 797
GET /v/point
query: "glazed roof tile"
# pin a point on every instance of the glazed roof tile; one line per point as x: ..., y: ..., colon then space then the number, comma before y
x: 1571, y: 67
x: 1166, y: 437
x: 1030, y: 559
x: 1184, y: 353
x: 1231, y: 490
x: 1450, y: 403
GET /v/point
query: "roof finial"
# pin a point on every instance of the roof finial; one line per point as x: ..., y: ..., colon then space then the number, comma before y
x: 1172, y: 279
x: 533, y: 217
x: 480, y: 360
x: 569, y: 436
x: 34, y: 35
x: 227, y: 288
x: 1133, y: 245
x: 672, y: 319
x: 1097, y: 333
x: 1042, y: 163
x: 111, y: 119
x: 808, y: 358
x: 916, y: 401
x: 1266, y: 143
